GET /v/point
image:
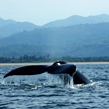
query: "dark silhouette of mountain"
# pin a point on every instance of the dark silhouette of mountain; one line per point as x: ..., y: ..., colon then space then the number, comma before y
x: 96, y: 33
x: 75, y: 19
x: 94, y: 50
x: 77, y: 40
x: 16, y: 27
x: 6, y: 22
x: 9, y: 27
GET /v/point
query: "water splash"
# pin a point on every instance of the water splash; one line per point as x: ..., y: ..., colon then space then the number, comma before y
x: 63, y: 80
x: 45, y: 79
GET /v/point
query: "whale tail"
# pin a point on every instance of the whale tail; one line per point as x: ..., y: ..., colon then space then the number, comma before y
x: 79, y: 78
x: 59, y: 67
x: 28, y: 70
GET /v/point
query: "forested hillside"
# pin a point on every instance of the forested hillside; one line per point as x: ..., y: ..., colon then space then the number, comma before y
x: 9, y: 27
x: 6, y: 22
x: 77, y: 40
x: 75, y: 20
x: 64, y: 36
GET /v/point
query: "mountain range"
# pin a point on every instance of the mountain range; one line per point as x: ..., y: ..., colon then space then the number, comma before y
x: 75, y: 20
x: 9, y: 27
x: 75, y: 36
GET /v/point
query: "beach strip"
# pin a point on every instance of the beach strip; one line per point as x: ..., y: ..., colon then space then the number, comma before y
x: 50, y: 63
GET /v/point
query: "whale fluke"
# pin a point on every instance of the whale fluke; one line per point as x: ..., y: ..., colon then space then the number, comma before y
x: 59, y: 67
x: 79, y: 78
x: 28, y: 70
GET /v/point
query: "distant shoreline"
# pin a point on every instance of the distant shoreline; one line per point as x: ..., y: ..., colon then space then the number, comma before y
x: 49, y: 63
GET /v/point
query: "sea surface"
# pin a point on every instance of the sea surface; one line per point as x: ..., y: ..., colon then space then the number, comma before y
x: 46, y: 91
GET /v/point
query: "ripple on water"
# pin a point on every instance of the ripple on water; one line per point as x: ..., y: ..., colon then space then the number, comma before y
x: 47, y: 91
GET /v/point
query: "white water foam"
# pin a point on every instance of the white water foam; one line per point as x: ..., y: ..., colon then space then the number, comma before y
x: 63, y: 80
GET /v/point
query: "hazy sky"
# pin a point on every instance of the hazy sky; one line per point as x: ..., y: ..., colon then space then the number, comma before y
x: 40, y: 12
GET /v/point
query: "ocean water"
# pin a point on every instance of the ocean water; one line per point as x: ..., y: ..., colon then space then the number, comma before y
x: 46, y: 91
